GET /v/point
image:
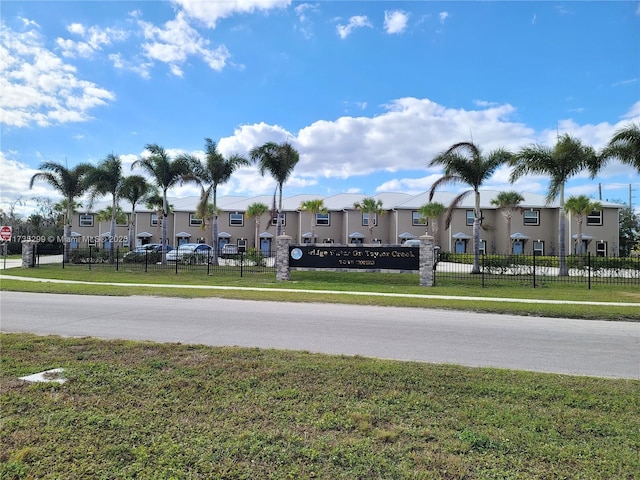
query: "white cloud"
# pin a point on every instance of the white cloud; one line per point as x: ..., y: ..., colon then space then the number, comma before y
x: 38, y: 87
x: 92, y: 40
x: 395, y: 21
x: 443, y: 16
x: 357, y: 21
x: 304, y: 22
x: 175, y: 41
x: 209, y: 12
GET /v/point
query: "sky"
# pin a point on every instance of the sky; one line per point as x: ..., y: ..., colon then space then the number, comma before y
x: 368, y: 92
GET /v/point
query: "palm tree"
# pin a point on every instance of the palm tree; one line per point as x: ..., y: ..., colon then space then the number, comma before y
x: 624, y: 145
x: 154, y: 201
x: 165, y: 173
x: 568, y: 158
x: 373, y: 209
x: 70, y: 183
x: 431, y: 212
x: 279, y: 159
x: 509, y: 203
x: 314, y: 207
x: 134, y: 189
x: 215, y: 171
x: 580, y: 206
x: 257, y: 210
x: 105, y: 179
x: 464, y: 164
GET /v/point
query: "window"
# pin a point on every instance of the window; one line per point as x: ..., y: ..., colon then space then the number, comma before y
x: 86, y: 220
x: 417, y: 219
x: 154, y: 219
x: 601, y: 249
x: 470, y: 217
x: 538, y: 247
x: 194, y: 221
x: 482, y: 247
x: 595, y: 218
x: 283, y: 219
x: 531, y: 217
x: 236, y: 219
x: 365, y: 219
x: 322, y: 219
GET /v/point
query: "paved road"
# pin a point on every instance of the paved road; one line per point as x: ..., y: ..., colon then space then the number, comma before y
x: 580, y: 347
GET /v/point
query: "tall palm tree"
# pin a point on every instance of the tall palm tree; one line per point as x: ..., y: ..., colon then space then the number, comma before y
x: 431, y: 212
x: 579, y: 207
x: 134, y: 189
x: 373, y: 209
x: 566, y: 159
x: 509, y: 203
x: 70, y: 183
x: 314, y: 207
x: 256, y: 211
x: 106, y: 179
x: 624, y: 145
x: 165, y: 173
x: 464, y: 164
x: 279, y: 159
x: 215, y: 171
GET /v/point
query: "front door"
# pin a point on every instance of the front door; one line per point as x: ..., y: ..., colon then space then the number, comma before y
x: 461, y: 246
x: 265, y: 246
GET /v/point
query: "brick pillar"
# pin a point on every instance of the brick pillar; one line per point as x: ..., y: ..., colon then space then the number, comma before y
x: 29, y: 250
x: 427, y: 261
x: 282, y: 258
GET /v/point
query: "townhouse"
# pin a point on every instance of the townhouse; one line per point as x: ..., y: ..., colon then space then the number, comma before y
x: 533, y: 228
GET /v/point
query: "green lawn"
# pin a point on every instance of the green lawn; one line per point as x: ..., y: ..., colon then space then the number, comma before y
x: 374, y: 283
x: 144, y: 410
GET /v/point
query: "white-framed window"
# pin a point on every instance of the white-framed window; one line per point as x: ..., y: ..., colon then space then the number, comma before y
x: 236, y: 219
x: 595, y: 218
x: 366, y: 217
x: 86, y: 220
x: 531, y: 217
x: 601, y: 249
x: 153, y: 219
x: 283, y: 219
x: 538, y: 247
x: 470, y: 217
x: 417, y: 219
x: 483, y: 247
x: 194, y: 220
x: 323, y: 219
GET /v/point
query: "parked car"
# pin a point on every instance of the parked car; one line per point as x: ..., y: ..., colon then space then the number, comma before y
x: 412, y: 242
x: 151, y: 252
x: 191, y: 253
x: 229, y: 251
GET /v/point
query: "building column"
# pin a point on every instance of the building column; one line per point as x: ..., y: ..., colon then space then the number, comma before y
x: 427, y: 261
x: 29, y: 252
x: 282, y: 258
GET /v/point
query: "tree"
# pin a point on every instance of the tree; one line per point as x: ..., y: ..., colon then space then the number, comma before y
x: 629, y: 236
x: 464, y: 164
x: 106, y: 179
x: 579, y: 207
x: 165, y: 173
x: 256, y: 211
x: 134, y: 189
x: 431, y: 212
x: 314, y: 207
x: 69, y: 182
x: 373, y: 209
x: 509, y: 203
x: 215, y: 171
x: 279, y: 159
x: 566, y: 159
x: 624, y: 145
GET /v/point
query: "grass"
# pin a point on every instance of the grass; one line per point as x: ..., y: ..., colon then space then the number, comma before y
x: 145, y: 410
x: 374, y: 283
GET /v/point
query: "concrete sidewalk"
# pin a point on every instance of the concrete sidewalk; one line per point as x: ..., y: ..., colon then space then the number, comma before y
x: 323, y: 292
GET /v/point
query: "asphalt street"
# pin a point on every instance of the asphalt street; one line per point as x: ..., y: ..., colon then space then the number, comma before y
x: 565, y: 346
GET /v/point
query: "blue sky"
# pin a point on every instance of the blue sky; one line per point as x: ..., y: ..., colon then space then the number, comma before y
x: 367, y: 91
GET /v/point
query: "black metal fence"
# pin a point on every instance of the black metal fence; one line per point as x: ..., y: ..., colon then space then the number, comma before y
x: 94, y: 258
x: 537, y: 270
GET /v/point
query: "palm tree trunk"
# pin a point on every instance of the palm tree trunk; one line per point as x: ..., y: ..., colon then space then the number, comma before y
x: 112, y: 231
x: 67, y: 233
x: 164, y: 227
x: 214, y: 238
x: 476, y: 235
x: 508, y: 244
x: 562, y: 253
x: 579, y: 240
x: 279, y: 214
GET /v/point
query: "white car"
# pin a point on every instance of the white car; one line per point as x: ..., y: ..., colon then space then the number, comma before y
x: 191, y: 253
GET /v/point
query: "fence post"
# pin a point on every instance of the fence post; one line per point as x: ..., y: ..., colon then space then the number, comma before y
x: 282, y: 258
x: 427, y: 261
x: 589, y: 270
x: 534, y: 269
x: 484, y: 267
x: 117, y: 258
x: 90, y: 257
